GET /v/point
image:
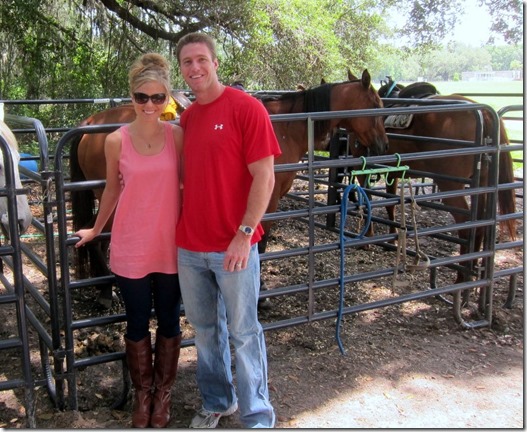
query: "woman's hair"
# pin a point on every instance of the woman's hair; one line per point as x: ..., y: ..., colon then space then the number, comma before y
x: 196, y: 38
x: 147, y: 68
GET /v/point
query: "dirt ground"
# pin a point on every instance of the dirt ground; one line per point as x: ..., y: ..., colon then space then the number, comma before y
x: 420, y: 371
x: 406, y: 366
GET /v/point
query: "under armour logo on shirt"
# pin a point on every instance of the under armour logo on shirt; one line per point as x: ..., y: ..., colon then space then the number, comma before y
x: 218, y: 126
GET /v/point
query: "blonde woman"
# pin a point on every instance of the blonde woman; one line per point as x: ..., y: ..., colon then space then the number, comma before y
x: 146, y: 153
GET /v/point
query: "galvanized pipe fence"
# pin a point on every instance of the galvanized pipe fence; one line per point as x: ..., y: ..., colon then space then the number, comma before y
x: 324, y: 231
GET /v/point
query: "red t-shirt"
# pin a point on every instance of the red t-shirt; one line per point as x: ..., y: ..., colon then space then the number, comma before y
x: 221, y: 139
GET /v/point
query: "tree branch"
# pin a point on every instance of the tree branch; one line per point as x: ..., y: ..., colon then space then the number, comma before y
x: 154, y: 32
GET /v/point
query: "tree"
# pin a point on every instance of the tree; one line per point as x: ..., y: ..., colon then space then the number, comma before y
x: 507, y: 19
x: 82, y: 48
x: 505, y: 57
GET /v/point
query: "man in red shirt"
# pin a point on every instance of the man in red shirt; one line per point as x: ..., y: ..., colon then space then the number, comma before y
x: 229, y: 151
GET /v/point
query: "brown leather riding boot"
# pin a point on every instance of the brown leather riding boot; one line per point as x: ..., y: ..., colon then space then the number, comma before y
x: 165, y: 369
x: 139, y: 358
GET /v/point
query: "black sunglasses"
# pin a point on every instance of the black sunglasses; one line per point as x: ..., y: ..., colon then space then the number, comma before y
x: 157, y: 99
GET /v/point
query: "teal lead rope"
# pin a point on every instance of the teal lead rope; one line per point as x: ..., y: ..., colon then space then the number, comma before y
x: 363, y: 200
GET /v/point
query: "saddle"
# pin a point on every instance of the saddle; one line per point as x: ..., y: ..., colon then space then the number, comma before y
x: 418, y: 90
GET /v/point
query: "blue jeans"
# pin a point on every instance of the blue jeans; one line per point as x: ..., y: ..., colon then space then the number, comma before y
x: 219, y: 304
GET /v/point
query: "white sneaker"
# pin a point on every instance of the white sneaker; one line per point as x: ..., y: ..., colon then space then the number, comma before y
x: 205, y: 419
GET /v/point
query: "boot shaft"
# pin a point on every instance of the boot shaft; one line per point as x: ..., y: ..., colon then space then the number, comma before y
x: 166, y: 360
x: 165, y: 370
x: 139, y: 359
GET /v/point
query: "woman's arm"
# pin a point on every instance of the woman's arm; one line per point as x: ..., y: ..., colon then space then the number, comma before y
x: 112, y: 190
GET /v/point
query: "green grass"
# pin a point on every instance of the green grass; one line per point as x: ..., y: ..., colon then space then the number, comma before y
x: 504, y: 87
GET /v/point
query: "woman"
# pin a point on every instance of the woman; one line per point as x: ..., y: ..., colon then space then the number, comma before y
x: 146, y: 153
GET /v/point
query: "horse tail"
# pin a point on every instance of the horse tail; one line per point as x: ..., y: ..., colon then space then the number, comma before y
x: 82, y: 207
x: 506, y: 198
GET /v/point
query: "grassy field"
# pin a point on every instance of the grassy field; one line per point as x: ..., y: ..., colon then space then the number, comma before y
x: 479, y: 88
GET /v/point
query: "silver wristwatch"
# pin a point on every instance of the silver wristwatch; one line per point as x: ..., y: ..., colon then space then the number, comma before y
x: 247, y: 230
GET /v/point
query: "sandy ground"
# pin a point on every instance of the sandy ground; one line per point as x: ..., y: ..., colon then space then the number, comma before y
x: 425, y: 401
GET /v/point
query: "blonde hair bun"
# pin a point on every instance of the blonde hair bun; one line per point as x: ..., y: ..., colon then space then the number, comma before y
x: 147, y: 68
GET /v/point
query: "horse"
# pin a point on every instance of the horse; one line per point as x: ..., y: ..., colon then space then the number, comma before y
x: 456, y: 125
x: 23, y: 209
x: 357, y: 93
x: 88, y: 162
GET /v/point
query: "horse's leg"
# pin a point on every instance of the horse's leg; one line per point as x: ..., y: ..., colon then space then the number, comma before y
x: 265, y: 303
x: 464, y: 234
x: 99, y: 262
x: 361, y: 179
x: 283, y: 182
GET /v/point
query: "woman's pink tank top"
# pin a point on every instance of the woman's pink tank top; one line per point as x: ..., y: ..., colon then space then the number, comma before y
x: 143, y: 231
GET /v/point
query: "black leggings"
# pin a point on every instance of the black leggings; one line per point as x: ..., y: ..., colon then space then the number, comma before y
x: 138, y: 294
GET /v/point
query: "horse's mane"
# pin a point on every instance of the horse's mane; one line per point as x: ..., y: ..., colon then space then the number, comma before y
x: 318, y: 99
x: 313, y: 99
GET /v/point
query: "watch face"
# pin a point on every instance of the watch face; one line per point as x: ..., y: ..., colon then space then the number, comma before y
x: 247, y: 230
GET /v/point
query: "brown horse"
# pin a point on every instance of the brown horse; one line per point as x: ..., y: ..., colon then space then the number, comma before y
x: 357, y: 93
x: 455, y: 125
x: 87, y: 162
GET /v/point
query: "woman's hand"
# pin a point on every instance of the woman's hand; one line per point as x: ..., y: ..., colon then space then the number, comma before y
x: 86, y: 235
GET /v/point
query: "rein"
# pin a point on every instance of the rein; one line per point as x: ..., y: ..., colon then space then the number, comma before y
x: 401, y: 242
x: 363, y: 200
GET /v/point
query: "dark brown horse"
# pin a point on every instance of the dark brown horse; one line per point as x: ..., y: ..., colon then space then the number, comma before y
x: 87, y: 162
x: 455, y: 125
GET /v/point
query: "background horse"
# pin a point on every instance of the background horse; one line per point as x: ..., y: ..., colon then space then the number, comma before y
x: 24, y: 211
x: 458, y: 125
x: 88, y: 162
x: 357, y: 93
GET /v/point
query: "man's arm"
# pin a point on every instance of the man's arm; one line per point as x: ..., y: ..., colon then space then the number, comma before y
x: 262, y: 185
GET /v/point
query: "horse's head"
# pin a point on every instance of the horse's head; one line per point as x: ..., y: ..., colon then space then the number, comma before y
x: 24, y: 211
x: 358, y: 94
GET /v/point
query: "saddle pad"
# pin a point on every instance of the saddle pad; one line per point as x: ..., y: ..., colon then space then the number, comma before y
x: 398, y: 121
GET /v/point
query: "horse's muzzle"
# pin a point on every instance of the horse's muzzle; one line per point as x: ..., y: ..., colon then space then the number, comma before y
x: 379, y: 147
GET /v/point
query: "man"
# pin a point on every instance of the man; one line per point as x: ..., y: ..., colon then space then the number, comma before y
x: 229, y: 151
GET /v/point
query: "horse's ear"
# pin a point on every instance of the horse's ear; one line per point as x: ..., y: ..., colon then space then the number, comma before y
x: 322, y: 81
x: 366, y: 79
x: 351, y: 77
